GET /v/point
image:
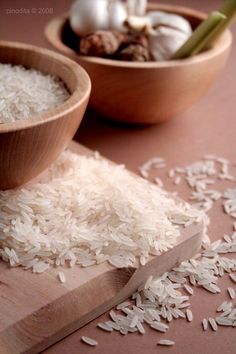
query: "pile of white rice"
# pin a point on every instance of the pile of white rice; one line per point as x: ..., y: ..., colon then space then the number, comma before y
x: 87, y: 211
x: 25, y: 93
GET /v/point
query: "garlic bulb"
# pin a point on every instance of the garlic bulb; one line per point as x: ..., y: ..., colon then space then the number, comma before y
x: 88, y: 15
x: 168, y: 34
x: 117, y: 15
x: 158, y: 18
x: 165, y: 42
x: 91, y: 15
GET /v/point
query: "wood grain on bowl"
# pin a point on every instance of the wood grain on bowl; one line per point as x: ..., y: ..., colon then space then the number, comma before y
x: 145, y: 92
x: 27, y: 147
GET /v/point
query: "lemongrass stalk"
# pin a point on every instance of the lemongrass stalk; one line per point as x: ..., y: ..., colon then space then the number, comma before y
x: 229, y: 10
x: 208, y: 41
x: 202, y: 31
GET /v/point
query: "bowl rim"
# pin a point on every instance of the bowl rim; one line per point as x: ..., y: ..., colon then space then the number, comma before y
x: 76, y: 98
x: 53, y: 30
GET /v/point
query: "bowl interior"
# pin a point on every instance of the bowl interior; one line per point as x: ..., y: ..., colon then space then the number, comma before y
x: 74, y: 77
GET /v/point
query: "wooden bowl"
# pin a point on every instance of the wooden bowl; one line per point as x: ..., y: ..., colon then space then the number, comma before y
x: 27, y: 147
x: 145, y: 92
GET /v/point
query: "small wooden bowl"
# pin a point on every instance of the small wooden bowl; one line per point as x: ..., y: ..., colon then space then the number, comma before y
x: 27, y: 147
x: 146, y: 92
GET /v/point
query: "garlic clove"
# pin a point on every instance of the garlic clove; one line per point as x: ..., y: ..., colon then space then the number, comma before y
x: 138, y: 24
x: 165, y: 42
x: 174, y: 21
x: 88, y: 16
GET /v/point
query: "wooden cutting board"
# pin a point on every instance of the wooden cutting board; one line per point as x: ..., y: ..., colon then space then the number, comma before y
x: 37, y: 310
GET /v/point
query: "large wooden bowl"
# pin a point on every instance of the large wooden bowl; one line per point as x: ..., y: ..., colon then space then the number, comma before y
x: 30, y: 146
x: 146, y: 92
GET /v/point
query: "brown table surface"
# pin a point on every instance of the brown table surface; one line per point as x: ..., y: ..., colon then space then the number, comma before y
x: 208, y: 127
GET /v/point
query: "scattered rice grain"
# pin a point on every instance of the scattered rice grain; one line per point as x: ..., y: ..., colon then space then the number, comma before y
x: 189, y: 315
x: 62, y: 277
x: 166, y: 342
x: 204, y: 324
x: 213, y: 324
x: 90, y: 341
x: 231, y: 293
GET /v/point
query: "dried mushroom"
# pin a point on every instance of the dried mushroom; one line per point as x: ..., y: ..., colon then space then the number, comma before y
x: 101, y: 43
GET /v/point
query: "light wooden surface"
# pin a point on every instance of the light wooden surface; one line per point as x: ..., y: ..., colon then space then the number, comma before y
x: 147, y: 92
x: 37, y: 310
x: 29, y: 146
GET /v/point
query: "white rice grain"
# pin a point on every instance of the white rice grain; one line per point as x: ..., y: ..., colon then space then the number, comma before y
x: 189, y: 315
x: 105, y: 327
x: 140, y: 328
x: 231, y: 293
x: 159, y: 326
x: 232, y: 277
x: 223, y: 321
x: 123, y: 305
x: 213, y: 324
x: 177, y: 180
x: 166, y: 342
x: 204, y: 324
x: 61, y: 277
x: 222, y: 306
x: 90, y: 341
x: 188, y: 289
